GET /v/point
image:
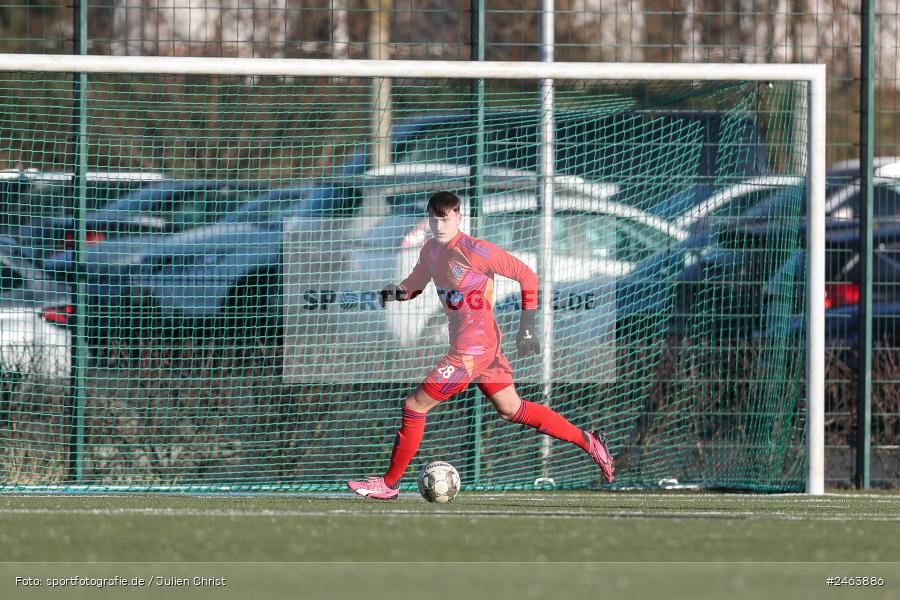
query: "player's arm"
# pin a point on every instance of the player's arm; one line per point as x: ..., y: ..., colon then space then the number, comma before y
x: 410, y: 287
x: 503, y: 263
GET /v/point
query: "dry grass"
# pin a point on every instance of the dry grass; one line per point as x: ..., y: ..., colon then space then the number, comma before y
x: 203, y: 413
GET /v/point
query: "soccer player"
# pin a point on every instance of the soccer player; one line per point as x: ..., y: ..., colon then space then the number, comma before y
x: 463, y: 270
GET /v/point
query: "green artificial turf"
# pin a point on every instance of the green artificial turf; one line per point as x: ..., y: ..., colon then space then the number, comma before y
x: 493, y: 542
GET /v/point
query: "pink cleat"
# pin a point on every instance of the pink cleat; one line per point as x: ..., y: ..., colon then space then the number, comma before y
x: 600, y: 453
x: 375, y: 488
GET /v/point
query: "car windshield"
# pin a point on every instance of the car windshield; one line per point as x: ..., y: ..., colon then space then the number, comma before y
x: 888, y: 266
x: 190, y: 209
x: 59, y: 196
x: 842, y: 264
x: 28, y: 200
x: 739, y: 203
x: 786, y: 201
x: 268, y: 207
x: 575, y: 234
x: 886, y: 202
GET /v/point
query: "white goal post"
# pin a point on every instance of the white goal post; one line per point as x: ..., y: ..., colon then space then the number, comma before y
x: 812, y: 74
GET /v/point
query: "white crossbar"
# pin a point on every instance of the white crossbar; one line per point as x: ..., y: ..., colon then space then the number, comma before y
x: 169, y: 65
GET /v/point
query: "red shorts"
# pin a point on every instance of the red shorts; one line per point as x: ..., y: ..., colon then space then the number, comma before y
x: 490, y: 372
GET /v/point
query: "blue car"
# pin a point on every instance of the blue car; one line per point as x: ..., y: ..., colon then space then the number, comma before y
x: 710, y: 284
x: 161, y: 208
x: 842, y: 287
x: 31, y: 196
x: 196, y: 278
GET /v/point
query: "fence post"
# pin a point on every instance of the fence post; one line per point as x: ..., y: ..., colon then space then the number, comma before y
x: 477, y: 189
x: 546, y: 177
x: 79, y: 175
x: 864, y: 319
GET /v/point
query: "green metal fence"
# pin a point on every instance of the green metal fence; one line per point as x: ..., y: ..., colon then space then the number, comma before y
x: 586, y: 30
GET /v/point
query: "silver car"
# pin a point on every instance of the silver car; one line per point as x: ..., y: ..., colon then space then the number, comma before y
x: 595, y: 241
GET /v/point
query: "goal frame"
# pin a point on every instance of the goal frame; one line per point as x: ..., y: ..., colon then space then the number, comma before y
x: 813, y: 74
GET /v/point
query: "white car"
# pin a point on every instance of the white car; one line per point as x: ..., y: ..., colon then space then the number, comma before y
x: 336, y: 330
x: 31, y: 348
x: 594, y: 238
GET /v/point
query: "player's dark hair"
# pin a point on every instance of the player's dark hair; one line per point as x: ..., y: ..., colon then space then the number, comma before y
x: 443, y: 203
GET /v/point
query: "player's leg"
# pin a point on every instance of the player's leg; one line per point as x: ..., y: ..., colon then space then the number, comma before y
x: 496, y: 383
x: 448, y: 378
x: 511, y: 407
x: 406, y: 444
x: 451, y: 376
x: 409, y: 436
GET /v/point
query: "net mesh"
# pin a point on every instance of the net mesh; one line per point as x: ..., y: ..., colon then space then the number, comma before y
x: 222, y: 286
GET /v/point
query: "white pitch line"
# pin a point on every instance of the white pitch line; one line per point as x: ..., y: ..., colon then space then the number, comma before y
x: 698, y: 497
x: 561, y: 495
x: 175, y: 512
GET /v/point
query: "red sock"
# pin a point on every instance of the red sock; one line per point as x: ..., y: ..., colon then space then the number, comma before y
x: 406, y: 444
x: 549, y: 422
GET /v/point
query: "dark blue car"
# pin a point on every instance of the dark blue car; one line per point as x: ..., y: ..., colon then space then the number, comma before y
x: 161, y: 208
x: 842, y: 287
x: 31, y: 196
x: 712, y: 284
x: 198, y: 278
x: 709, y: 285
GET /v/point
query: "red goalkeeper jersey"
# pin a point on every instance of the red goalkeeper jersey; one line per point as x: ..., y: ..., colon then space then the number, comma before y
x: 463, y: 273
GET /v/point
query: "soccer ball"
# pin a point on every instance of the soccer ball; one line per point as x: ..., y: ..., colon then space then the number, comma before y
x: 438, y: 482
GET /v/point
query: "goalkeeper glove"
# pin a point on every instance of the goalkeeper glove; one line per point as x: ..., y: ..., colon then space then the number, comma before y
x: 527, y: 341
x: 391, y: 293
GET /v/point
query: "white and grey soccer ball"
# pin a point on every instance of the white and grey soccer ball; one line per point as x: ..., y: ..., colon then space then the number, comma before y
x: 438, y: 482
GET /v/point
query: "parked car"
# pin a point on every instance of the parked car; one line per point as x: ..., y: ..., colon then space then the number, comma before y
x: 842, y: 194
x: 32, y: 345
x: 709, y: 284
x: 734, y: 200
x: 845, y: 202
x: 191, y: 278
x: 593, y: 237
x: 653, y: 172
x: 30, y: 196
x: 123, y: 254
x: 167, y: 207
x: 785, y: 299
x: 724, y: 265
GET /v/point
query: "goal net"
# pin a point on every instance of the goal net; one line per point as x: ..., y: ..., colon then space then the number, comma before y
x: 193, y: 251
